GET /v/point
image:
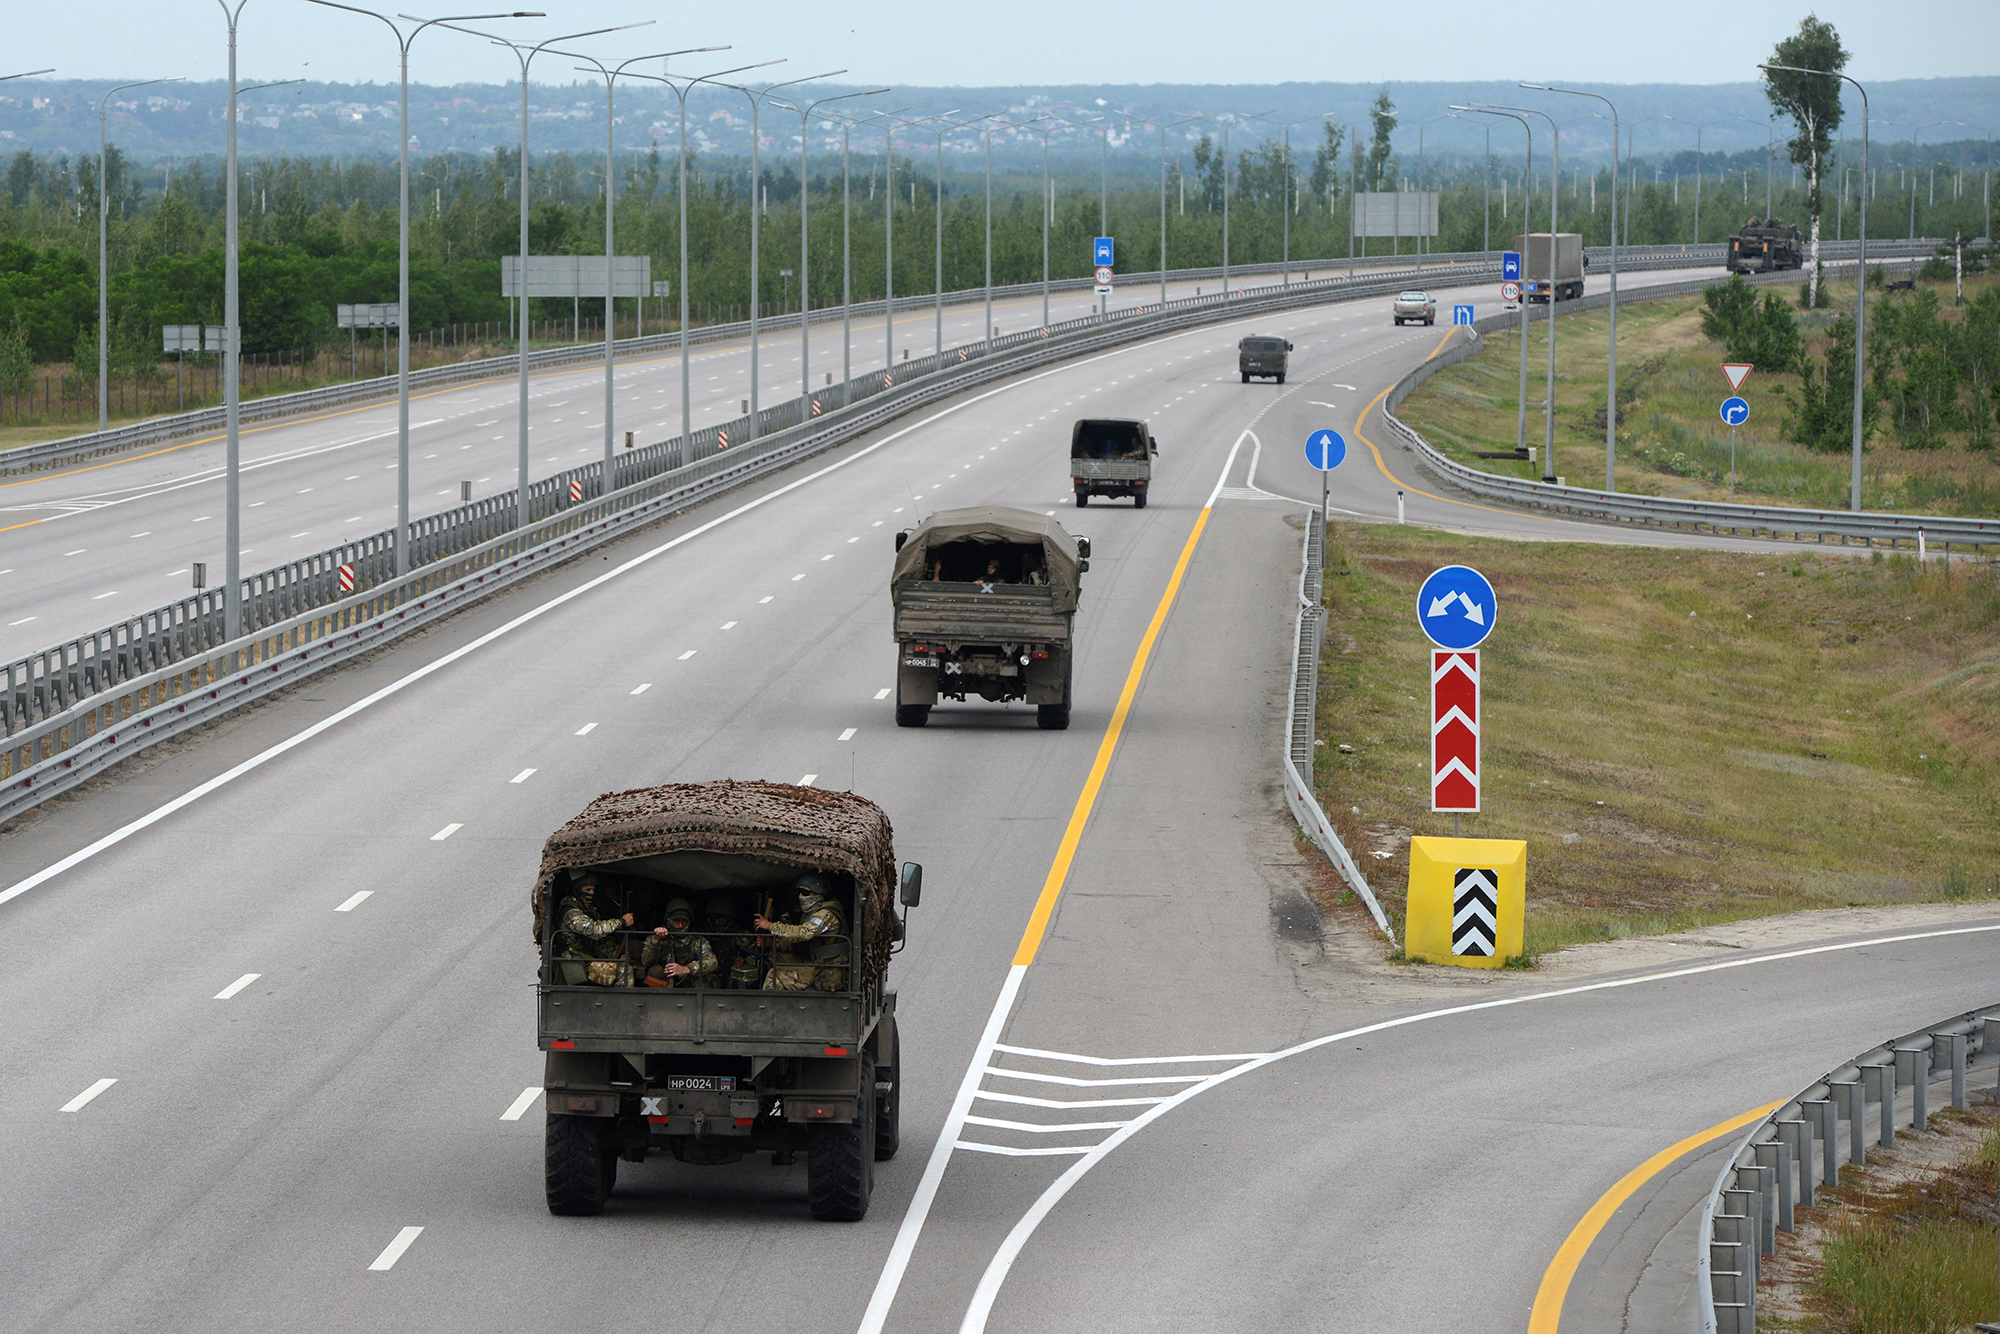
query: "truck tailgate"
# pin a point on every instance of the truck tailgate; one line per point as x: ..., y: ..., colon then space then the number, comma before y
x: 1011, y: 613
x: 1111, y: 470
x: 794, y: 1023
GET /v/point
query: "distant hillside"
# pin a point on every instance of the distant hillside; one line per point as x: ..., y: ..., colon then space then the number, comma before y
x: 349, y: 120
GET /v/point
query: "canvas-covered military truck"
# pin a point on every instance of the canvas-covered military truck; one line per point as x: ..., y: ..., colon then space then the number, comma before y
x: 783, y: 1047
x: 1112, y: 457
x: 984, y: 600
x: 1765, y: 246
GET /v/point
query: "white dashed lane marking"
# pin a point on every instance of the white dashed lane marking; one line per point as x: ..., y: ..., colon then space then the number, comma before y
x: 883, y: 693
x: 586, y: 729
x: 394, y: 1250
x: 229, y: 991
x: 848, y: 735
x: 642, y: 687
x: 446, y: 832
x: 520, y: 1105
x: 354, y: 902
x: 80, y: 1099
x: 521, y: 777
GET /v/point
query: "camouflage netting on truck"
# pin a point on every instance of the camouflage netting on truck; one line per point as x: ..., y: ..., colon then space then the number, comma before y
x: 1001, y: 525
x: 794, y: 828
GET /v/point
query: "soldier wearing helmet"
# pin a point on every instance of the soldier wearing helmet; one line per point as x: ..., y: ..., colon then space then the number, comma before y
x: 742, y: 962
x: 675, y: 956
x: 587, y: 927
x: 811, y: 955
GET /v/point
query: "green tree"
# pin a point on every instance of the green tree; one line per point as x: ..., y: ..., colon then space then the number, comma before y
x: 1326, y: 163
x: 1383, y: 114
x: 1824, y: 420
x: 1813, y: 103
x: 1764, y: 333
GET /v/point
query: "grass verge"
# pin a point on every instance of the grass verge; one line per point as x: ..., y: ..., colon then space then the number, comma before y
x: 1671, y: 441
x: 1681, y: 738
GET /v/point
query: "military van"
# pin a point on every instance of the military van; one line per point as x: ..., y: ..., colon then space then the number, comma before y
x: 766, y: 1042
x: 1111, y: 457
x: 1262, y: 354
x: 984, y: 604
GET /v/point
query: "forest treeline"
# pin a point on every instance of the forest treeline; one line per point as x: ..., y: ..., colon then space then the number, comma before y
x: 318, y: 232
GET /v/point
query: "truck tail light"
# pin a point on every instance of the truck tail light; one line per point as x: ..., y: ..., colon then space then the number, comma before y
x: 1041, y: 653
x: 836, y: 1051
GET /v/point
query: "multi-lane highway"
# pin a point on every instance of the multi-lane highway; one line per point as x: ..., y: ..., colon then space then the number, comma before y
x: 83, y: 546
x: 261, y: 1034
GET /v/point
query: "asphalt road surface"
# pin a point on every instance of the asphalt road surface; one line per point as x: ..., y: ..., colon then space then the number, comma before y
x: 191, y: 1149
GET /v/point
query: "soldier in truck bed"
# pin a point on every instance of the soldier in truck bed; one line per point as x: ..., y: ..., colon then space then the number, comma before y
x: 742, y: 960
x: 675, y: 956
x: 810, y: 955
x: 587, y: 927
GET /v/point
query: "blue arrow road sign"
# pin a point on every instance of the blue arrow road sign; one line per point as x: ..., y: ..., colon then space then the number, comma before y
x: 1325, y: 450
x: 1735, y: 411
x: 1510, y: 266
x: 1456, y: 607
x: 1100, y: 251
x: 1461, y: 314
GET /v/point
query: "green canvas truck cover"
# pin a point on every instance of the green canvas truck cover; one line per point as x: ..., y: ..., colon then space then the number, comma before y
x: 998, y: 524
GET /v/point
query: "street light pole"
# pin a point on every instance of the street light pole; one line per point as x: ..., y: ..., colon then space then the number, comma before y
x: 805, y: 236
x: 232, y: 582
x: 526, y: 56
x: 1611, y: 379
x: 1860, y: 282
x: 608, y: 482
x: 1527, y: 178
x: 103, y: 280
x: 403, y: 43
x: 757, y: 97
x: 1555, y: 193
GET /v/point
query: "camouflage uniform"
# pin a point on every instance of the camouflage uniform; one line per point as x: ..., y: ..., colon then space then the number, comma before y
x: 742, y: 962
x: 688, y: 950
x: 579, y: 935
x: 806, y: 956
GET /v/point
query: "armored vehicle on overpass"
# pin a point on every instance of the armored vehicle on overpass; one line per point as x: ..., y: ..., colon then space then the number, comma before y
x: 1765, y: 247
x: 984, y: 600
x: 1113, y: 458
x: 715, y: 1041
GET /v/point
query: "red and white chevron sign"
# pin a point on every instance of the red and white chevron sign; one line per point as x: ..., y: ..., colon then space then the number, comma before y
x: 1455, y: 730
x: 576, y: 491
x: 347, y: 578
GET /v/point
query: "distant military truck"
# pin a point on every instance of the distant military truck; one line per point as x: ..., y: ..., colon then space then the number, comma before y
x: 1112, y: 458
x: 1262, y: 355
x: 1765, y: 246
x: 985, y: 601
x: 1552, y: 269
x: 776, y: 1042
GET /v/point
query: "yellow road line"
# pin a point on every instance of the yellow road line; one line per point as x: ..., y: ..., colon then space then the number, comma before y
x: 1045, y: 906
x: 1383, y: 467
x: 1547, y: 1313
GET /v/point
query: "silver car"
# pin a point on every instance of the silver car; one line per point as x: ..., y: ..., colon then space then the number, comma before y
x: 1416, y: 308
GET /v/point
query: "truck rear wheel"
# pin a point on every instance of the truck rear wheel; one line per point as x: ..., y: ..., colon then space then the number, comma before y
x: 1246, y: 377
x: 888, y: 1106
x: 579, y: 1165
x: 1055, y: 717
x: 1082, y: 498
x: 1139, y: 497
x: 840, y: 1160
x: 912, y: 715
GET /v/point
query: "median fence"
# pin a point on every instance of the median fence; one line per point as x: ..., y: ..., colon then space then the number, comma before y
x: 73, y: 710
x: 1301, y: 723
x: 1802, y: 1146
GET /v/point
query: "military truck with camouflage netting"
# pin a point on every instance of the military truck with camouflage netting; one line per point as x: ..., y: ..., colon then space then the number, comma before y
x: 1113, y: 457
x: 726, y: 1039
x: 1765, y: 246
x: 984, y: 604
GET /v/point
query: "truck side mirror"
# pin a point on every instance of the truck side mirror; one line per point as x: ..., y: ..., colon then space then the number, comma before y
x: 1154, y: 442
x: 1083, y: 547
x: 1289, y: 347
x: 1083, y: 567
x: 913, y: 884
x: 901, y: 538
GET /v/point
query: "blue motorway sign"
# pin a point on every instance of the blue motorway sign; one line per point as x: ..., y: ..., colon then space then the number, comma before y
x: 1325, y: 450
x: 1100, y: 252
x: 1461, y: 315
x: 1735, y: 411
x: 1456, y: 607
x: 1510, y: 266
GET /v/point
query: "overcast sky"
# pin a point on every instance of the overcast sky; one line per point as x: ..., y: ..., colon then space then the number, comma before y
x: 1005, y: 42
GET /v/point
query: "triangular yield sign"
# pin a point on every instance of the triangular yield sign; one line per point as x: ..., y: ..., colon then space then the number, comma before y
x: 1736, y: 370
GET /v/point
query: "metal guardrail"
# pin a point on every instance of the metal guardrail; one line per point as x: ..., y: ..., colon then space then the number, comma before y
x: 1773, y: 1167
x: 1872, y: 527
x: 72, y: 711
x: 1300, y: 724
x: 59, y: 453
